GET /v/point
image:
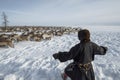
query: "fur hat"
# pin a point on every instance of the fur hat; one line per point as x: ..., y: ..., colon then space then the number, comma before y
x: 84, y: 35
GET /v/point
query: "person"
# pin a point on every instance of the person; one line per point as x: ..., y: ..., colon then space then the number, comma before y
x: 82, y: 54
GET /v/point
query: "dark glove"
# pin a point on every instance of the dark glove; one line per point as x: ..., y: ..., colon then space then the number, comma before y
x: 55, y: 56
x: 105, y: 48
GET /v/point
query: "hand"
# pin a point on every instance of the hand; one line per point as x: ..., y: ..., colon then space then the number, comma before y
x: 55, y: 56
x: 105, y: 48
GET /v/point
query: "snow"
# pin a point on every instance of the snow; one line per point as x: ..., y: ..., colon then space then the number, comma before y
x: 34, y: 61
x: 102, y: 28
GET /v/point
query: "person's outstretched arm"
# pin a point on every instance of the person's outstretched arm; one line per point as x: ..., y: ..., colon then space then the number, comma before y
x: 64, y: 56
x: 99, y: 50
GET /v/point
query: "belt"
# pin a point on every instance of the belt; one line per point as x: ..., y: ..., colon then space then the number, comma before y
x: 84, y: 66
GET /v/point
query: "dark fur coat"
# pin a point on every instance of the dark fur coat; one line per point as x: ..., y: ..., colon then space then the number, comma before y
x: 81, y: 53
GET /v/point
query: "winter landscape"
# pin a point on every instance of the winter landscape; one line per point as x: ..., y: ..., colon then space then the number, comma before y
x: 31, y: 31
x: 31, y: 60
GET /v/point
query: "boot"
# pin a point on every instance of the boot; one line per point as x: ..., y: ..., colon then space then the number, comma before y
x: 64, y: 76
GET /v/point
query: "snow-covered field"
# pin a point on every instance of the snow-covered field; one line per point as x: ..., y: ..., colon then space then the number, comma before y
x: 34, y: 61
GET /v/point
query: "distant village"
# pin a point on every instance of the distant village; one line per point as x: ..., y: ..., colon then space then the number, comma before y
x: 9, y: 35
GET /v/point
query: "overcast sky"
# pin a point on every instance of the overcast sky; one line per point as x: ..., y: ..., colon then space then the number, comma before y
x: 61, y: 12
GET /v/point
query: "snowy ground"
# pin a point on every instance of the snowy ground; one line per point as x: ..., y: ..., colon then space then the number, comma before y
x: 34, y: 61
